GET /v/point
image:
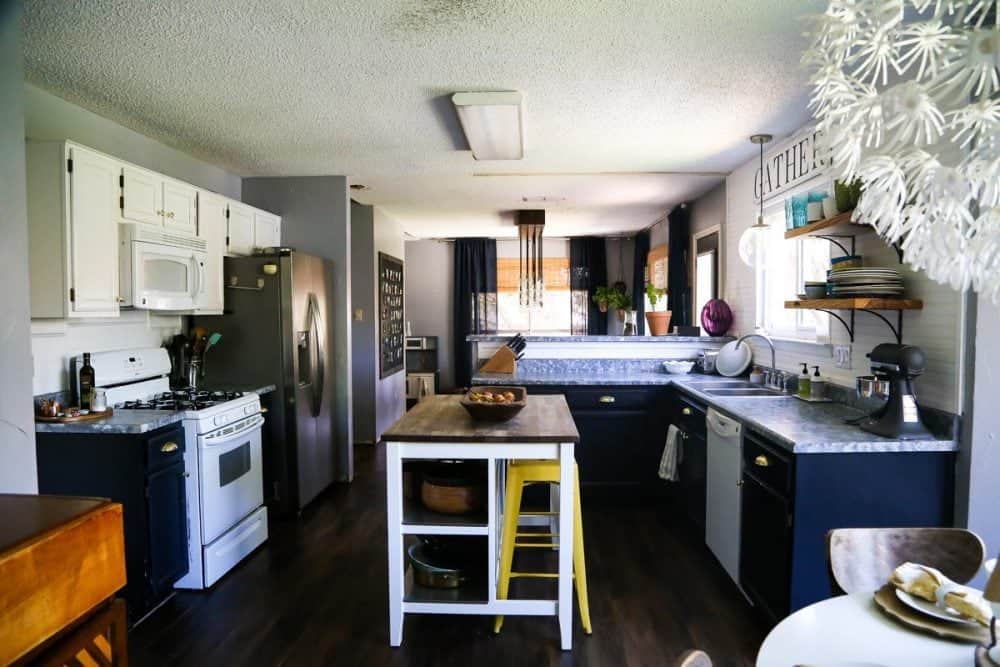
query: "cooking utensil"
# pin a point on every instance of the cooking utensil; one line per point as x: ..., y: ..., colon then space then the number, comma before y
x: 436, y: 573
x: 453, y: 488
x: 871, y: 385
x: 707, y: 360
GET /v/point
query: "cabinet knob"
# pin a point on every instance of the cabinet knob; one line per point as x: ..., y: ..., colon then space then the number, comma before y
x: 686, y: 412
x: 739, y: 482
x: 160, y: 211
x: 263, y: 410
x: 170, y: 215
x: 168, y: 447
x: 607, y: 399
x: 119, y: 299
x: 761, y: 461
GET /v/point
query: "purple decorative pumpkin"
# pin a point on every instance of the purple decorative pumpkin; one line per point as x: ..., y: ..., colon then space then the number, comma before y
x: 716, y: 317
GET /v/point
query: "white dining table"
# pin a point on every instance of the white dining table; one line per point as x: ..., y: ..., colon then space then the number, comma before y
x: 852, y: 630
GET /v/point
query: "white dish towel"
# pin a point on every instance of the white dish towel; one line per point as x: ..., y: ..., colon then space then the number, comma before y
x: 671, y: 457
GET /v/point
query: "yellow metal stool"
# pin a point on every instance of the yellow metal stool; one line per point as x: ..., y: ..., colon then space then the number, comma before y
x: 519, y: 474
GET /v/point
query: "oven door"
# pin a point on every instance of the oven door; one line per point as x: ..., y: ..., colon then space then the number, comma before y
x: 166, y: 277
x: 232, y: 481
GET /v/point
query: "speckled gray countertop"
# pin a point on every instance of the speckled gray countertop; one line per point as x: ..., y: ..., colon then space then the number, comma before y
x: 801, y: 427
x: 134, y: 421
x: 669, y: 338
x: 122, y: 421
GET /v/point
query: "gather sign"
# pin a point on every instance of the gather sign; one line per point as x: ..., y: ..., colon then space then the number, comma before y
x: 794, y: 161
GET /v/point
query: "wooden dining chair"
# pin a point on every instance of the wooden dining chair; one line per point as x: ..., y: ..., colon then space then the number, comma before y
x: 863, y: 559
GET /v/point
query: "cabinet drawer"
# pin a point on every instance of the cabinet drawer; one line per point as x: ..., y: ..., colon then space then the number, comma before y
x: 610, y: 398
x: 767, y: 464
x: 165, y: 448
x: 690, y: 415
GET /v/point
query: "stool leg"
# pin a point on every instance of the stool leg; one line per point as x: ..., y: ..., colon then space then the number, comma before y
x: 579, y: 562
x: 508, y: 536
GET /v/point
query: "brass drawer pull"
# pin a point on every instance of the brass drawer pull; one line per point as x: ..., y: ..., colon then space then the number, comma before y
x: 169, y: 447
x: 761, y: 461
x: 607, y: 399
x: 686, y: 412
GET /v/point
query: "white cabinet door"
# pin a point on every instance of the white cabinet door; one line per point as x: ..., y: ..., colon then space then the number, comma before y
x: 212, y: 228
x: 240, y: 230
x: 142, y: 196
x: 93, y: 234
x: 179, y: 207
x: 266, y: 230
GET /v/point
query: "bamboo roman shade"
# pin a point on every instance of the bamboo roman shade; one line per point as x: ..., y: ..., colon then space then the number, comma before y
x: 555, y: 272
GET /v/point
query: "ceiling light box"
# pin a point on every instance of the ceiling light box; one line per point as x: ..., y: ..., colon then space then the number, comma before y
x: 492, y: 124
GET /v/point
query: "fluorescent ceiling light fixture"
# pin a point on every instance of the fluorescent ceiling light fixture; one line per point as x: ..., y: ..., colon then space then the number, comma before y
x: 492, y: 124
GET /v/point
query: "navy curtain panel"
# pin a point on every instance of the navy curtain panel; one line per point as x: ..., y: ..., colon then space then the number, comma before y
x: 639, y: 280
x: 588, y: 270
x: 475, y: 300
x: 679, y: 292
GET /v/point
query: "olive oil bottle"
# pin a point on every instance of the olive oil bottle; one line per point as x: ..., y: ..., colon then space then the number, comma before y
x: 86, y: 382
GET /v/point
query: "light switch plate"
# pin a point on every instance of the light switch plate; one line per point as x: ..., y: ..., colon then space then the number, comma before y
x: 359, y: 315
x: 842, y: 356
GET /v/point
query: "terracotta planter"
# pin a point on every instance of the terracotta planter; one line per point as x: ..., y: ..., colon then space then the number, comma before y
x: 658, y: 322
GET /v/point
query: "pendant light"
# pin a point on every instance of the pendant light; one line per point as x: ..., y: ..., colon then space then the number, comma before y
x: 753, y: 242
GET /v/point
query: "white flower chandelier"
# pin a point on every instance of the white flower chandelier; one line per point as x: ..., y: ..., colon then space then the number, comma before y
x: 912, y: 108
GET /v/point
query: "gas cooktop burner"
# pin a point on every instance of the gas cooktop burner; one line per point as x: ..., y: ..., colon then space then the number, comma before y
x: 182, y: 399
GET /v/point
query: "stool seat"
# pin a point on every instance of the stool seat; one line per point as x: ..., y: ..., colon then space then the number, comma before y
x: 520, y: 474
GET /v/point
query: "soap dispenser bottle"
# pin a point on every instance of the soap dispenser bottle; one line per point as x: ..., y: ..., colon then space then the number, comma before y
x: 805, y: 383
x: 817, y: 385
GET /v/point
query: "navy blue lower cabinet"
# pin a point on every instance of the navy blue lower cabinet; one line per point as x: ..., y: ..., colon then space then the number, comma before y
x: 791, y: 501
x: 145, y: 473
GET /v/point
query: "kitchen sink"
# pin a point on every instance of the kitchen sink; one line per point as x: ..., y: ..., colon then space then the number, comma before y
x: 724, y: 384
x: 744, y: 392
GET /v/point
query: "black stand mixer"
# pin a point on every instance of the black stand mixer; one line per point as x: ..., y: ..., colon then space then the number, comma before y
x: 900, y: 417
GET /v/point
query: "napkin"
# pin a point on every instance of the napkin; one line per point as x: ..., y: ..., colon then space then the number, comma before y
x: 927, y: 583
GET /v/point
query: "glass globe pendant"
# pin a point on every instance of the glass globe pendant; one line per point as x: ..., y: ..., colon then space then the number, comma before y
x: 754, y: 240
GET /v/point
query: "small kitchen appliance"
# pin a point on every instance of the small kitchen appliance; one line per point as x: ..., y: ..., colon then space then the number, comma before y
x: 900, y: 417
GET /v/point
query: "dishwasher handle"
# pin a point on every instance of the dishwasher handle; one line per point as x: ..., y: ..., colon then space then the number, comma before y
x: 722, y: 426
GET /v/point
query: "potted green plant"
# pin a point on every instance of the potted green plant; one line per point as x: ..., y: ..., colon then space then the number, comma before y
x: 602, y: 296
x: 620, y: 301
x: 658, y: 321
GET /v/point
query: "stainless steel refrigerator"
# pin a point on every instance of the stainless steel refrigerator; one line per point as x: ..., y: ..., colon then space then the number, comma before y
x: 277, y: 329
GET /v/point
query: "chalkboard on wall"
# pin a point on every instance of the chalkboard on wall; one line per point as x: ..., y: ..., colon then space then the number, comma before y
x: 391, y: 335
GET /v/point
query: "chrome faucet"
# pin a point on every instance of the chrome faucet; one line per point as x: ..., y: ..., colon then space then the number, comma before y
x: 775, y: 378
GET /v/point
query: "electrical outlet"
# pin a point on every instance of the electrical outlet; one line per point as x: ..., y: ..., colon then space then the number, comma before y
x: 359, y: 315
x: 842, y: 356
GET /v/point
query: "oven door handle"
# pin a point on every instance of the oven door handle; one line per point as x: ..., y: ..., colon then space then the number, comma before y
x: 249, y: 425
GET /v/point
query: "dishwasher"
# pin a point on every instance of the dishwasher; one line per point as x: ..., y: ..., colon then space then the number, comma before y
x: 722, y: 492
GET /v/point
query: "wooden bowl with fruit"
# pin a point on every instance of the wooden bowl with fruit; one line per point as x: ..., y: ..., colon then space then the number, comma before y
x: 495, y: 404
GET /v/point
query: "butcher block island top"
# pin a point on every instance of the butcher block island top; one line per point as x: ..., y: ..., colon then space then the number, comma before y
x: 442, y: 418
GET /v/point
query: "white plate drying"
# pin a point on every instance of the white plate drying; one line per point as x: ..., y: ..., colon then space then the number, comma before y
x: 733, y: 360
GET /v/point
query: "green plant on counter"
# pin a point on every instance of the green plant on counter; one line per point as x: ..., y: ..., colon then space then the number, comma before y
x: 654, y: 294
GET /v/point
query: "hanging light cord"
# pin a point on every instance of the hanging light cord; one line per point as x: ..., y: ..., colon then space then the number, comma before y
x: 761, y: 218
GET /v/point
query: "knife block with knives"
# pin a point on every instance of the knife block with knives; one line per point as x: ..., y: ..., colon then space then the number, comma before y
x: 506, y: 358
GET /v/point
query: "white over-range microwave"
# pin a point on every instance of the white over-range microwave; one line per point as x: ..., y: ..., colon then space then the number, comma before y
x: 160, y: 269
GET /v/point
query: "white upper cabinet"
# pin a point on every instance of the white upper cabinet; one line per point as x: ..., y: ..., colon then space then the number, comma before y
x: 142, y: 196
x: 212, y: 227
x: 180, y: 207
x: 152, y: 199
x: 73, y: 209
x: 241, y: 233
x: 266, y: 230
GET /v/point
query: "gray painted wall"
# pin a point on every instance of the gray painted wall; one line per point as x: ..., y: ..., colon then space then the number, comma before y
x: 48, y: 117
x: 390, y: 392
x: 17, y: 429
x: 429, y: 300
x: 315, y: 219
x: 364, y: 349
x: 978, y: 495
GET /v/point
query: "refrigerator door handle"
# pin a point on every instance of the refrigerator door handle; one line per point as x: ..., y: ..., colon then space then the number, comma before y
x: 319, y: 363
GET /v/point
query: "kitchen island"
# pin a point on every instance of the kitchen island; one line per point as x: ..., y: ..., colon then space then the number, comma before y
x: 439, y: 428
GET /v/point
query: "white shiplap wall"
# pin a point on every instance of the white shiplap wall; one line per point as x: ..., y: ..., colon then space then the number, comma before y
x: 938, y: 329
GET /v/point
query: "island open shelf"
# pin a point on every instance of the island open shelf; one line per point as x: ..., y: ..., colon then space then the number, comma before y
x: 439, y: 428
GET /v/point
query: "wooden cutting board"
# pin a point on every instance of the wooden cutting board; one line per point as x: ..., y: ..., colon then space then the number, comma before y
x: 90, y: 416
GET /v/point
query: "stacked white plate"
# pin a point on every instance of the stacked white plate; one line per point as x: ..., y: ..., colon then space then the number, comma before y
x: 875, y: 281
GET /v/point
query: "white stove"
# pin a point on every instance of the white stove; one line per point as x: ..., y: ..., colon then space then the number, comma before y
x: 222, y: 433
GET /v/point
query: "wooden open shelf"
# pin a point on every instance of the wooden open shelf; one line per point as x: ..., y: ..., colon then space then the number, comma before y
x: 838, y: 225
x: 857, y: 303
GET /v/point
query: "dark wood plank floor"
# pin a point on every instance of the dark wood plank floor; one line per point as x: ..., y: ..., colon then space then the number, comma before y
x: 315, y: 594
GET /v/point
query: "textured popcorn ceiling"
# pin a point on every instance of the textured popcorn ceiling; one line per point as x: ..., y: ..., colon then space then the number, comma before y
x: 612, y: 89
